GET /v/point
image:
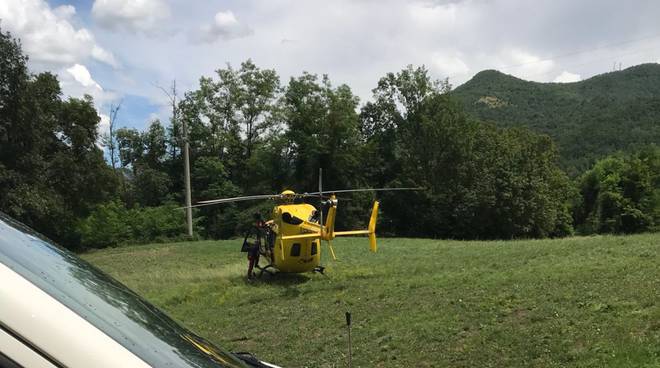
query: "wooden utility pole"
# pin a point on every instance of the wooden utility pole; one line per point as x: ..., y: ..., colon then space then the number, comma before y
x: 186, y: 155
x: 186, y: 170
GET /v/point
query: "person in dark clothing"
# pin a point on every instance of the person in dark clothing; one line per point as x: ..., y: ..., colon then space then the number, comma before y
x: 258, y: 233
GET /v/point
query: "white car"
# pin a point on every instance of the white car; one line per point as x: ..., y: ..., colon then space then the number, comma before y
x: 57, y: 310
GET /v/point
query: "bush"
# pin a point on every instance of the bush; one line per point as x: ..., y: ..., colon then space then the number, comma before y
x: 621, y: 194
x: 107, y: 225
x: 112, y: 224
x: 151, y: 223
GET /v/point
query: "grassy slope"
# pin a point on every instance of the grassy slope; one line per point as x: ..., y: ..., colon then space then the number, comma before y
x: 577, y: 302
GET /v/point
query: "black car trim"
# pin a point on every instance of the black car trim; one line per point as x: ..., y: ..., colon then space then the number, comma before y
x: 31, y: 346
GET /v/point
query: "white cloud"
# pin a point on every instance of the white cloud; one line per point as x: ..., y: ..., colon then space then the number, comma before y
x: 354, y: 42
x: 434, y: 15
x: 48, y: 36
x: 104, y: 56
x: 449, y: 65
x: 527, y: 66
x: 224, y: 26
x: 65, y: 11
x: 567, y: 77
x: 82, y: 76
x: 77, y: 81
x: 104, y: 125
x: 146, y: 16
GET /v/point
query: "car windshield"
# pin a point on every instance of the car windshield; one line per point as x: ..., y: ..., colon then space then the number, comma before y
x: 105, y: 303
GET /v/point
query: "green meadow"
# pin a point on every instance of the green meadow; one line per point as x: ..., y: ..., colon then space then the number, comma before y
x: 572, y: 302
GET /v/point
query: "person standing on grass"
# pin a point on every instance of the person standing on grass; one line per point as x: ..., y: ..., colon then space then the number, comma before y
x: 258, y: 232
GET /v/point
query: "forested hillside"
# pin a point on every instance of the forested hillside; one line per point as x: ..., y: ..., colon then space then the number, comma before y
x: 587, y: 119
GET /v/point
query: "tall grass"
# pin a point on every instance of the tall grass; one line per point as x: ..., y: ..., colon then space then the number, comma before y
x: 573, y: 302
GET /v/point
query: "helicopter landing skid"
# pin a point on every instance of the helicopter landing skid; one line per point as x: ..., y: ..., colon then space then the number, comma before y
x: 265, y: 269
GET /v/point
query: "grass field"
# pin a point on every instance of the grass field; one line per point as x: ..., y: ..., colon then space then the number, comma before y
x: 576, y: 302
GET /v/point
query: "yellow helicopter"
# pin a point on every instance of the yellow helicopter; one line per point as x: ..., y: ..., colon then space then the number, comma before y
x: 291, y: 240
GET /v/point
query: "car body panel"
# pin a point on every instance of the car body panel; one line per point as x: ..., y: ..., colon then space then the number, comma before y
x: 82, y: 317
x: 20, y: 353
x: 56, y: 330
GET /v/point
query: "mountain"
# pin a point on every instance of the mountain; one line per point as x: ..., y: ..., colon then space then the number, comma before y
x: 587, y: 119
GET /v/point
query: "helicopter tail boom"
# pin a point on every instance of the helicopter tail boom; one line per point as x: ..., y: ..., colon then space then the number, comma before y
x: 371, y: 230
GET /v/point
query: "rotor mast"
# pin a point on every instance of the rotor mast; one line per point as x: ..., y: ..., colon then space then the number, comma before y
x: 321, y: 201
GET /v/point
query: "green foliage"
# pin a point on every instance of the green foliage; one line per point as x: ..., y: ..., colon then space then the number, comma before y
x: 588, y: 119
x: 621, y: 194
x: 157, y: 223
x: 51, y: 171
x: 573, y: 302
x: 212, y: 182
x: 322, y: 131
x: 229, y: 116
x: 107, y: 225
x: 144, y: 155
x: 482, y: 182
x: 112, y: 224
x: 250, y: 135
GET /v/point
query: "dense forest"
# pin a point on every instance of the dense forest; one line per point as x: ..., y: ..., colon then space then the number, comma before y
x: 588, y: 119
x: 251, y: 133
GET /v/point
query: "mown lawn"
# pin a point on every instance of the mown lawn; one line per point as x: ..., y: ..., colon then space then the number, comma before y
x: 575, y: 302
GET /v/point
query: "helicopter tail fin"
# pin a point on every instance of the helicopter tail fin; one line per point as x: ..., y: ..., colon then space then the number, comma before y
x: 330, y: 222
x: 372, y: 228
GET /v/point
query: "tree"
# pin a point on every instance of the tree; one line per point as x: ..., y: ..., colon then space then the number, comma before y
x: 13, y: 81
x: 481, y: 182
x: 51, y: 169
x: 144, y: 154
x: 130, y: 147
x: 396, y: 96
x: 212, y: 181
x: 155, y: 145
x: 322, y: 130
x: 230, y: 115
x: 621, y: 194
x: 109, y: 139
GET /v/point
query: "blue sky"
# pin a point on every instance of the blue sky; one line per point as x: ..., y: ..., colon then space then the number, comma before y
x: 119, y: 50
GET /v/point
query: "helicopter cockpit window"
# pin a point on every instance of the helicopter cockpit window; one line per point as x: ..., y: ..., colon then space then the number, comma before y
x: 295, y: 250
x: 290, y: 219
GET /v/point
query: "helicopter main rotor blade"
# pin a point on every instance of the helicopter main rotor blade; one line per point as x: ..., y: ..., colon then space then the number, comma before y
x: 235, y: 199
x: 365, y: 190
x: 251, y: 198
x: 320, y: 194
